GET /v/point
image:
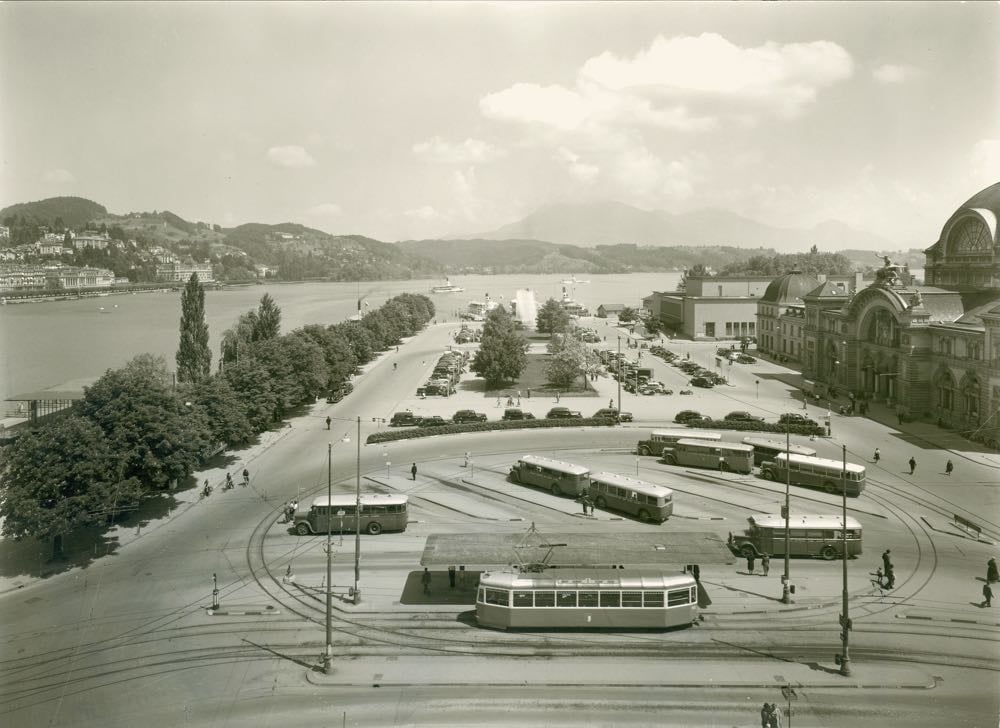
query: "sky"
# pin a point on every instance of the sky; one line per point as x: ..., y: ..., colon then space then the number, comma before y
x: 428, y: 119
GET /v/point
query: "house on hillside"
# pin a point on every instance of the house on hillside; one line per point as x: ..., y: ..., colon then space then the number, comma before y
x: 610, y: 309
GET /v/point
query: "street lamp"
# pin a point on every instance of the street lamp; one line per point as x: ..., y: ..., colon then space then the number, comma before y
x: 786, y: 597
x: 845, y: 620
x: 619, y: 375
x: 328, y: 655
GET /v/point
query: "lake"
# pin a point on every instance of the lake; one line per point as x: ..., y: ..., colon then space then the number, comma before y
x: 49, y: 343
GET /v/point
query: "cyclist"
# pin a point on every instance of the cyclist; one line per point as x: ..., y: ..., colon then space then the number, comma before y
x: 246, y: 476
x: 229, y: 481
x: 877, y: 456
x: 394, y: 366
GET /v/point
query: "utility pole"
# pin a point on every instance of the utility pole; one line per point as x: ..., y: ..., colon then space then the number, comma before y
x: 357, y: 522
x: 845, y: 620
x: 786, y: 597
x: 328, y: 657
x: 619, y: 376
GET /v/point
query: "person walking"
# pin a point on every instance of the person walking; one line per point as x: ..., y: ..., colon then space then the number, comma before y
x: 948, y: 467
x: 425, y: 579
x: 529, y: 392
x: 991, y: 569
x: 413, y: 471
x: 913, y: 464
x: 750, y: 564
x: 765, y: 563
x: 328, y: 420
x: 886, y: 560
x: 987, y: 596
x: 877, y: 456
x: 451, y: 576
x: 775, y: 716
x: 765, y: 716
x: 890, y: 576
x: 611, y: 403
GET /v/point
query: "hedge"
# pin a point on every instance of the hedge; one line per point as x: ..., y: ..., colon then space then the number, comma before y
x: 758, y: 426
x: 408, y: 433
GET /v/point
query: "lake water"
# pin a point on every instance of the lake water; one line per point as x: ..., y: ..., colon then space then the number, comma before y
x: 46, y: 344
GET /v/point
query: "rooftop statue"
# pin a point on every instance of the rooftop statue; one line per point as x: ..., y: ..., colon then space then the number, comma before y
x: 888, y: 274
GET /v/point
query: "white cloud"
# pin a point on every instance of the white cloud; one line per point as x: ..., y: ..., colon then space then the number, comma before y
x: 425, y: 212
x: 291, y: 156
x: 985, y: 162
x: 58, y: 176
x: 553, y: 106
x: 892, y: 73
x: 582, y: 171
x: 325, y: 209
x: 471, y: 151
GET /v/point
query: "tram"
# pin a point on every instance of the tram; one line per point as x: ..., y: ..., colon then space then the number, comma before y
x: 614, y: 599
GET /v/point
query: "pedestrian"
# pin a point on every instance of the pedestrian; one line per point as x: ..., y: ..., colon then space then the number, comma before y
x: 886, y: 560
x: 413, y: 471
x: 877, y: 456
x: 529, y: 392
x: 611, y: 402
x: 890, y: 575
x: 987, y: 596
x: 451, y: 576
x: 948, y: 467
x: 557, y: 396
x: 498, y: 400
x: 750, y: 564
x: 765, y: 563
x: 328, y: 423
x: 775, y: 716
x: 765, y: 716
x: 913, y: 464
x: 991, y: 569
x: 425, y: 579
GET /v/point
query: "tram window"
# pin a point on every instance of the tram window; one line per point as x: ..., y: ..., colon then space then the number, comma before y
x: 566, y: 598
x: 611, y: 599
x: 482, y: 595
x: 694, y: 595
x: 522, y: 598
x: 497, y: 596
x: 545, y: 599
x: 587, y: 599
x: 652, y: 599
x: 631, y: 599
x: 677, y: 597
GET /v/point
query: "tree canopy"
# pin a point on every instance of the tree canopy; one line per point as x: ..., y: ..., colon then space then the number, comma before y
x: 552, y: 318
x: 568, y: 360
x: 194, y: 360
x: 811, y: 263
x: 503, y: 352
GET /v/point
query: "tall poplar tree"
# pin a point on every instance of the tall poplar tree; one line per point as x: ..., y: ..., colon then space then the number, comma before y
x: 194, y: 359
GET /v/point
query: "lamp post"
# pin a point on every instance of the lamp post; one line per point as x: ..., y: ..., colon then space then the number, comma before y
x: 357, y: 523
x: 845, y: 620
x: 328, y: 655
x: 619, y: 375
x: 786, y: 597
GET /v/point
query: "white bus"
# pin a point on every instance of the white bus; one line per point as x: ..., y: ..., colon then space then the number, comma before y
x: 379, y: 512
x: 646, y: 501
x: 659, y: 439
x: 764, y: 449
x: 808, y: 535
x: 725, y: 456
x: 815, y: 473
x: 554, y: 475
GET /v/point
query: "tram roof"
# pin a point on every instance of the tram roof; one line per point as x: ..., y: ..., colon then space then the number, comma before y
x: 774, y: 520
x: 637, y: 579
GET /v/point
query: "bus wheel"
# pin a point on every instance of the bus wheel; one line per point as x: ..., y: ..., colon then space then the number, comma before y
x: 374, y: 528
x: 829, y: 553
x: 747, y: 551
x: 302, y: 529
x: 829, y: 487
x: 671, y: 460
x: 644, y: 450
x: 600, y: 502
x: 644, y: 515
x: 723, y: 467
x: 771, y: 475
x: 515, y: 477
x: 555, y: 489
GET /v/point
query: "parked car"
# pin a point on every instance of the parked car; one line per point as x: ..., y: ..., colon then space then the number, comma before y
x: 432, y: 421
x: 794, y: 418
x: 740, y: 416
x: 512, y: 413
x: 745, y: 359
x: 466, y: 415
x: 685, y: 416
x: 403, y: 419
x: 612, y: 413
x: 563, y: 413
x: 703, y: 382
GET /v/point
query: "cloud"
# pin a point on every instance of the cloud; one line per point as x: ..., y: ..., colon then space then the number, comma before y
x: 582, y: 171
x: 891, y: 73
x: 325, y: 209
x: 425, y: 212
x: 291, y: 156
x: 471, y: 151
x: 985, y: 162
x: 58, y: 176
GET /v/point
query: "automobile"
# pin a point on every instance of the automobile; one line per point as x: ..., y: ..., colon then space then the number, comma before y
x: 512, y: 413
x: 466, y: 415
x: 703, y: 382
x: 563, y: 413
x: 432, y: 421
x: 794, y: 418
x: 685, y: 416
x: 339, y: 392
x: 746, y: 359
x: 612, y: 413
x: 403, y: 419
x: 740, y: 416
x: 685, y: 391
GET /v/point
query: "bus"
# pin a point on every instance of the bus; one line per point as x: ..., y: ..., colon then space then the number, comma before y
x: 815, y: 472
x: 647, y: 501
x: 725, y: 456
x: 764, y: 449
x: 659, y: 439
x: 554, y: 475
x: 379, y: 512
x: 808, y: 535
x: 642, y: 598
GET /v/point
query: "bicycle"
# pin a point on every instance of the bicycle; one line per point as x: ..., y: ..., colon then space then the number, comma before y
x: 246, y: 477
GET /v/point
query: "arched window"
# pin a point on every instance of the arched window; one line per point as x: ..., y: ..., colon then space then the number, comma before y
x: 945, y: 384
x: 970, y: 395
x: 881, y: 328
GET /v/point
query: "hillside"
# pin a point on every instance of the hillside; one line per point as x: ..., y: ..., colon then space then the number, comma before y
x: 71, y: 211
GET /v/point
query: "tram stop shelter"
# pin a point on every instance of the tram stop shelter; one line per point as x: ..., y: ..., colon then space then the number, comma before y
x: 569, y: 549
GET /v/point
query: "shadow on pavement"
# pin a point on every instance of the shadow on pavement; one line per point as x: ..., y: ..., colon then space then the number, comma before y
x: 464, y: 592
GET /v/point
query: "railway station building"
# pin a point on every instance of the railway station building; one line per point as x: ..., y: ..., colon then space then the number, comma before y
x: 930, y: 352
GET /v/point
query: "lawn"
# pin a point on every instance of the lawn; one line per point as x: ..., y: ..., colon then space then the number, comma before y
x: 533, y: 378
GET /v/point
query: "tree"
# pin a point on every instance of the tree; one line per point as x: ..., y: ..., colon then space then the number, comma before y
x: 295, y: 367
x: 627, y: 315
x: 552, y: 318
x: 59, y: 477
x: 267, y: 322
x: 340, y: 361
x: 238, y: 338
x: 568, y: 360
x: 252, y: 383
x: 194, y: 360
x: 223, y: 409
x: 503, y: 352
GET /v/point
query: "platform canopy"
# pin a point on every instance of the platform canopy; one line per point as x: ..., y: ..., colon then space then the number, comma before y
x: 67, y: 391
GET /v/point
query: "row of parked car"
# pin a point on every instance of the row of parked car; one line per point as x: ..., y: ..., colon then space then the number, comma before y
x: 693, y: 417
x: 406, y: 418
x: 446, y: 375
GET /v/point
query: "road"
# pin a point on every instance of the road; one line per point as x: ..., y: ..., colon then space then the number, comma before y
x: 129, y: 639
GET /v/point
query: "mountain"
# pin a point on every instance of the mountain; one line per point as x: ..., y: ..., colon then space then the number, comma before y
x: 612, y: 223
x: 73, y: 211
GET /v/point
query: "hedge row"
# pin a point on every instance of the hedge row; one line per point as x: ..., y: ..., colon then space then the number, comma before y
x: 758, y: 427
x: 408, y: 433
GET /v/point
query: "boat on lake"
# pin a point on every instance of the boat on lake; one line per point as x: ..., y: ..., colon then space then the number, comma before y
x: 447, y: 288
